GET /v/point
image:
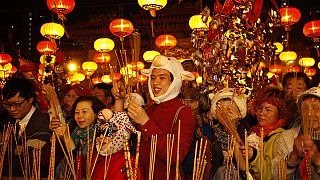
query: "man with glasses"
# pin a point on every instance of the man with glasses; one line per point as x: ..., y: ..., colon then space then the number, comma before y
x: 31, y: 125
x: 103, y: 92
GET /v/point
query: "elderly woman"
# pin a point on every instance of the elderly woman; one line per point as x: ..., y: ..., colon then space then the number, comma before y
x: 301, y: 145
x: 272, y: 115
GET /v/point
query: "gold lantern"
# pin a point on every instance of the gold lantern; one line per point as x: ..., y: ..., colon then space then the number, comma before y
x: 196, y: 23
x: 306, y: 62
x: 287, y: 56
x: 103, y: 45
x: 52, y: 30
x: 279, y: 47
x: 152, y: 5
x: 148, y: 56
x: 78, y: 77
x: 89, y: 66
x: 106, y: 79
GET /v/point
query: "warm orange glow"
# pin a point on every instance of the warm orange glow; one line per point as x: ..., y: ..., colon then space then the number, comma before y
x: 101, y: 58
x: 72, y: 67
x: 166, y: 41
x: 121, y: 28
x: 116, y: 76
x: 142, y: 78
x: 96, y: 80
x: 310, y: 72
x: 275, y: 69
x: 103, y: 45
x: 12, y: 70
x: 89, y: 66
x: 306, y: 62
x: 61, y: 6
x: 126, y: 71
x: 78, y: 77
x: 5, y: 58
x: 279, y: 47
x: 287, y: 56
x: 152, y: 5
x: 46, y: 47
x: 44, y: 59
x: 196, y: 74
x: 312, y: 28
x: 106, y: 79
x: 289, y: 15
x: 52, y: 30
x: 199, y: 80
x: 294, y: 69
x: 148, y: 56
x: 196, y: 23
x: 136, y: 66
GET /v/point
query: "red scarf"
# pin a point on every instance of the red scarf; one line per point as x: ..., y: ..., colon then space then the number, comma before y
x: 268, y: 128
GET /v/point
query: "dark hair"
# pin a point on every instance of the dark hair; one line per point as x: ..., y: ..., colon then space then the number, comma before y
x: 18, y: 85
x: 106, y: 89
x: 274, y: 96
x: 298, y: 75
x: 195, y: 94
x: 96, y: 104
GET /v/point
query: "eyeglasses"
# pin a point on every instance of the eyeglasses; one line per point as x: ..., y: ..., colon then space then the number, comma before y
x: 16, y: 105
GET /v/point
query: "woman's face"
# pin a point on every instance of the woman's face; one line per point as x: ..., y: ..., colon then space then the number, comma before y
x: 227, y: 109
x: 310, y: 112
x: 84, y: 114
x: 193, y: 104
x: 68, y: 100
x: 267, y: 114
x: 160, y: 81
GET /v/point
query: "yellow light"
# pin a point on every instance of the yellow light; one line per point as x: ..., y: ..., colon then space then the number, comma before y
x: 279, y: 47
x: 103, y: 45
x: 199, y: 80
x: 152, y: 5
x: 72, y: 67
x: 148, y: 56
x: 7, y: 67
x: 287, y: 56
x: 306, y: 62
x: 106, y: 79
x: 52, y: 30
x: 78, y: 77
x: 136, y: 66
x: 3, y: 75
x: 196, y: 23
x: 43, y: 59
x: 89, y: 66
x: 126, y: 71
x: 270, y: 74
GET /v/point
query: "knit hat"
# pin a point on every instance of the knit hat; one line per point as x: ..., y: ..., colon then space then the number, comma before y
x: 172, y: 65
x: 79, y: 89
x: 137, y: 98
x: 229, y: 93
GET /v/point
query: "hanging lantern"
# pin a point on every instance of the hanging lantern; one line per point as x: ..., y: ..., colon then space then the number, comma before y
x: 279, y: 47
x: 5, y: 58
x: 306, y: 62
x: 6, y: 67
x: 126, y: 71
x: 142, y: 78
x: 152, y: 5
x: 52, y: 30
x: 136, y: 66
x: 287, y: 56
x: 116, y: 76
x: 61, y: 6
x: 89, y: 66
x: 121, y: 28
x: 96, y: 80
x: 44, y: 59
x: 196, y: 23
x: 78, y: 77
x: 103, y: 45
x: 46, y: 47
x: 148, y: 56
x: 289, y: 15
x: 12, y: 70
x: 310, y: 72
x: 312, y: 28
x: 101, y: 58
x: 275, y: 69
x: 106, y: 79
x: 166, y: 41
x: 294, y: 69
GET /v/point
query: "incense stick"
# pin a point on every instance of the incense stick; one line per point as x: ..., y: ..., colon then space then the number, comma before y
x: 153, y: 151
x: 136, y: 164
x: 261, y: 152
x: 246, y: 152
x: 178, y: 151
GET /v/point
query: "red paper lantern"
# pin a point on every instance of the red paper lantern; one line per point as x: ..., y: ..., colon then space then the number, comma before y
x: 312, y: 28
x: 5, y: 59
x: 166, y: 41
x: 275, y: 69
x: 289, y: 15
x: 101, y: 58
x: 294, y: 69
x: 142, y: 78
x: 96, y: 80
x: 116, y: 76
x: 310, y: 72
x: 121, y: 28
x: 136, y: 65
x: 61, y: 6
x: 46, y: 47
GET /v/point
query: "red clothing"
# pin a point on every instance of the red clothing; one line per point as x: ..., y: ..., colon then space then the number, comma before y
x: 117, y: 167
x: 160, y: 122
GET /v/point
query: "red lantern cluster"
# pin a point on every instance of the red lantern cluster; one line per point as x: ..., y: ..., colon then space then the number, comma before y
x: 312, y: 29
x: 294, y: 69
x: 5, y: 59
x: 101, y: 58
x: 275, y: 69
x: 310, y: 72
x: 61, y: 6
x: 289, y: 15
x: 46, y: 47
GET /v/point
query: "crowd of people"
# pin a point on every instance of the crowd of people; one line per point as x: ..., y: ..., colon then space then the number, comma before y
x: 274, y: 134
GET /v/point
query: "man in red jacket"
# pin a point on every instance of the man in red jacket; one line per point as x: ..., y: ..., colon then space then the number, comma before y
x: 165, y: 81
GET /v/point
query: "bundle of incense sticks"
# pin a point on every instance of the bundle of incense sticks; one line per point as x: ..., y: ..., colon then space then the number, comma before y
x: 246, y: 146
x: 136, y: 164
x: 178, y: 150
x: 153, y: 151
x: 199, y: 163
x: 229, y: 125
x: 283, y: 169
x: 6, y: 137
x: 170, y: 140
x: 261, y: 152
x: 128, y: 159
x: 229, y: 163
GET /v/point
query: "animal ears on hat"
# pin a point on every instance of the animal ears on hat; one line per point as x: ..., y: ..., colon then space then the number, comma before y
x: 186, y: 75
